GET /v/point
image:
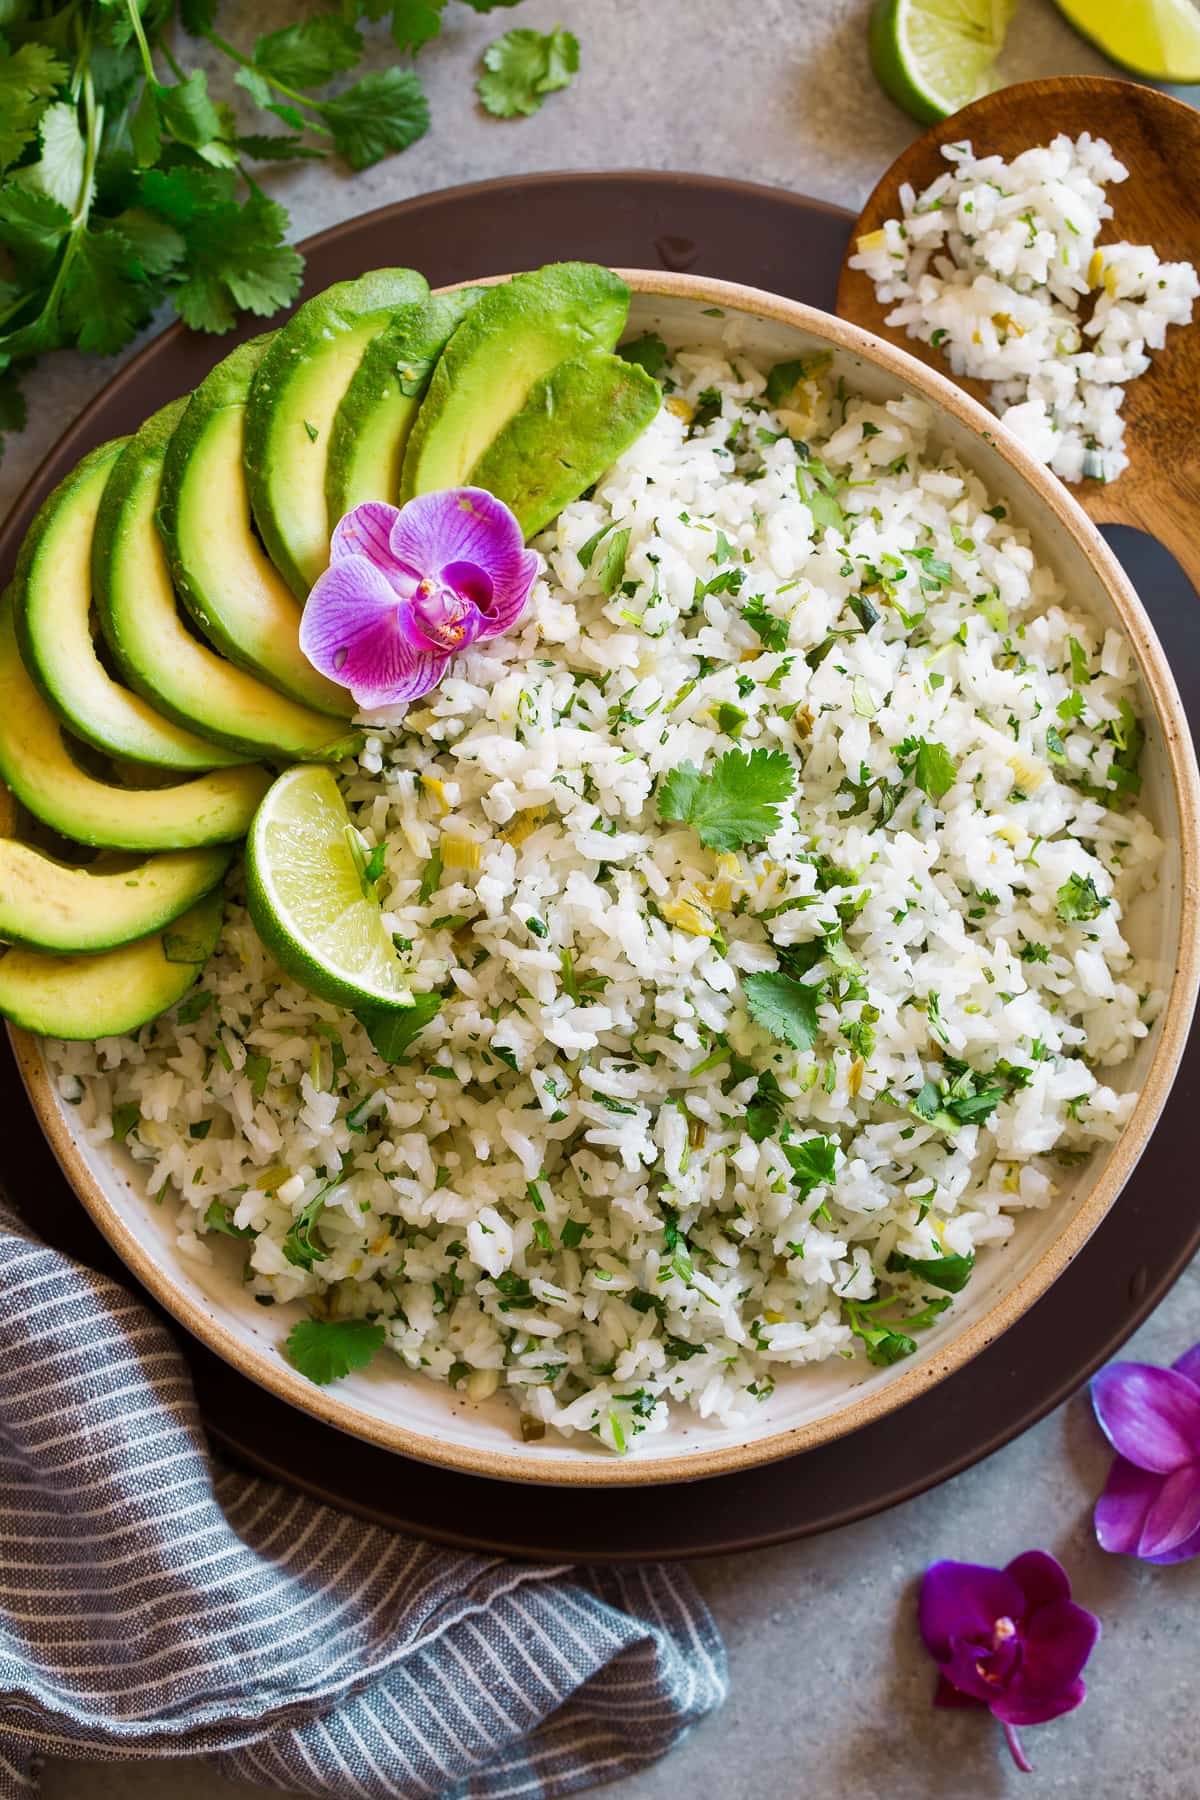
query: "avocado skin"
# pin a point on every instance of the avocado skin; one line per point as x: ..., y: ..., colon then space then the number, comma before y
x: 64, y: 665
x: 519, y: 331
x: 116, y: 991
x: 243, y: 712
x: 376, y: 413
x: 260, y: 630
x: 49, y: 905
x: 576, y: 422
x: 285, y: 471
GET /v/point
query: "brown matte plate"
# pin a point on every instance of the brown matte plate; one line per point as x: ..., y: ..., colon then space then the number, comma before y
x: 793, y: 246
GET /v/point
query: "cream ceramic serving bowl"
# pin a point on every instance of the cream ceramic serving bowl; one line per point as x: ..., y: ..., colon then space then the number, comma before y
x: 424, y: 1419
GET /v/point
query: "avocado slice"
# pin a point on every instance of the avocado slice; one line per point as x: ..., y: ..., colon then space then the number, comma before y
x: 49, y: 905
x: 152, y: 646
x: 375, y: 414
x: 52, y: 594
x: 516, y: 333
x: 293, y: 400
x: 116, y: 991
x: 35, y: 762
x: 223, y: 575
x: 574, y: 425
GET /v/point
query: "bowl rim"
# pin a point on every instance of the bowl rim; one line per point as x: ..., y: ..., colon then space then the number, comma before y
x: 565, y: 1471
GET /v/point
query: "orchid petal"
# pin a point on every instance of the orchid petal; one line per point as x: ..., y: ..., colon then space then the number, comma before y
x: 1123, y: 1507
x: 946, y: 1694
x: 1188, y: 1364
x: 468, y: 525
x: 1058, y: 1641
x: 366, y: 531
x: 1015, y: 1709
x: 353, y: 630
x: 1150, y: 1416
x: 1040, y: 1577
x: 964, y: 1600
x: 1174, y: 1515
x: 1183, y: 1552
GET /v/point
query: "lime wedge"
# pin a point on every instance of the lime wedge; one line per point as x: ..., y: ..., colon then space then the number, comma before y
x: 309, y: 897
x: 1157, y: 38
x: 933, y: 56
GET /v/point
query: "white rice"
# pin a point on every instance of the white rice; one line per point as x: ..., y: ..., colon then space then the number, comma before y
x: 997, y: 265
x: 559, y: 1195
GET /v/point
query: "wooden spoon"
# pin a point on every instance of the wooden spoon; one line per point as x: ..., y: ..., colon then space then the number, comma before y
x: 1158, y: 140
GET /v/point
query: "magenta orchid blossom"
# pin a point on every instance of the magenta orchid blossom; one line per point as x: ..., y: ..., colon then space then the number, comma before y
x: 1150, y: 1507
x: 1010, y: 1639
x: 408, y: 588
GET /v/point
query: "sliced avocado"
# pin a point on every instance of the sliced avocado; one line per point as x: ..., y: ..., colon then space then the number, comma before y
x: 223, y: 575
x: 516, y: 333
x: 38, y: 767
x: 293, y: 400
x: 574, y: 425
x: 116, y: 991
x: 375, y: 415
x: 49, y: 905
x: 152, y: 646
x: 52, y: 594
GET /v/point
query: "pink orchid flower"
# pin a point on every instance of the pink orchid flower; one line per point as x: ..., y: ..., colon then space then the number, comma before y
x: 408, y: 588
x: 1150, y: 1507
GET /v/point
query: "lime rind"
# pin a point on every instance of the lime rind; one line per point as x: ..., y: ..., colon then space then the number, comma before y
x: 934, y: 56
x: 1157, y: 39
x: 309, y: 900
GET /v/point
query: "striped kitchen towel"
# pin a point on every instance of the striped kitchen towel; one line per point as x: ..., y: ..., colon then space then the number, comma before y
x: 153, y: 1604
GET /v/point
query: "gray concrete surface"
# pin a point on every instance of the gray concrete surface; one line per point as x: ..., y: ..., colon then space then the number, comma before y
x: 831, y: 1689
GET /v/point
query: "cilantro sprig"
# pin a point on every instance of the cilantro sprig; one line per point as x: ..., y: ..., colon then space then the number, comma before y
x: 326, y: 1350
x: 737, y: 803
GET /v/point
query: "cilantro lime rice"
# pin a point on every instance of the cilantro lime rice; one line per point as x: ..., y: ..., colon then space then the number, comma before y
x: 768, y: 884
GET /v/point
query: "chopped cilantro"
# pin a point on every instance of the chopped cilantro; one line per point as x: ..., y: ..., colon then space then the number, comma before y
x: 649, y: 352
x: 392, y: 1029
x: 783, y: 1006
x: 1078, y: 901
x: 813, y: 1163
x: 931, y: 765
x: 772, y: 632
x: 764, y: 1110
x: 950, y: 1273
x: 611, y: 570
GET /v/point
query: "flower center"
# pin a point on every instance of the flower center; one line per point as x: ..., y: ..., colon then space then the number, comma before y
x: 446, y: 618
x: 995, y: 1665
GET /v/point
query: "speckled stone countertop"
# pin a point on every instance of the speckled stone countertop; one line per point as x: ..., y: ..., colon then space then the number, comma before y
x: 830, y: 1689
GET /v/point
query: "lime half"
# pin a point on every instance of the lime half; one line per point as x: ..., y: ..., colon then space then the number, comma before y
x: 1158, y: 38
x: 933, y: 56
x: 310, y: 899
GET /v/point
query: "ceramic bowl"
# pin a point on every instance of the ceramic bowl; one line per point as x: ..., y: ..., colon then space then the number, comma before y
x: 420, y: 1418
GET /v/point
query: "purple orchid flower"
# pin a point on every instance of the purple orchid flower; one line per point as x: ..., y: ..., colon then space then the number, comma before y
x: 1010, y: 1639
x: 1150, y: 1506
x: 406, y: 589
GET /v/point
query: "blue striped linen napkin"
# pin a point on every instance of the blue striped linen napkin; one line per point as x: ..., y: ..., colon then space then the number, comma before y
x: 155, y: 1604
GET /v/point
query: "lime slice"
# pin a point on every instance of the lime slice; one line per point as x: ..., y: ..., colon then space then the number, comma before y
x: 933, y: 56
x: 1157, y: 38
x: 309, y: 897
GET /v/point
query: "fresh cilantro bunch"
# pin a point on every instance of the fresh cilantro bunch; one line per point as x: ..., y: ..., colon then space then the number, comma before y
x: 125, y: 184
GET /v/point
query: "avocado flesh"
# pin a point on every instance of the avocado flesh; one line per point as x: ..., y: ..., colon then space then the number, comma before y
x: 515, y: 334
x: 152, y: 646
x: 52, y: 595
x: 376, y: 413
x: 293, y: 401
x: 48, y: 905
x: 35, y: 762
x: 222, y: 574
x: 116, y: 991
x: 574, y: 425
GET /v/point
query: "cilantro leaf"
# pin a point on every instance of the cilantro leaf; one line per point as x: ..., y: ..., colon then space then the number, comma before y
x: 813, y: 1163
x: 391, y: 1031
x: 327, y: 1349
x: 384, y: 112
x: 29, y: 77
x: 416, y: 22
x: 310, y: 53
x: 1078, y: 900
x: 933, y: 768
x: 103, y: 302
x: 772, y: 632
x: 235, y: 254
x: 950, y: 1273
x: 648, y: 352
x: 783, y: 1006
x: 738, y: 803
x: 764, y: 1110
x: 611, y: 570
x: 59, y: 170
x: 187, y: 113
x: 299, y: 1246
x: 523, y: 66
x: 32, y: 228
